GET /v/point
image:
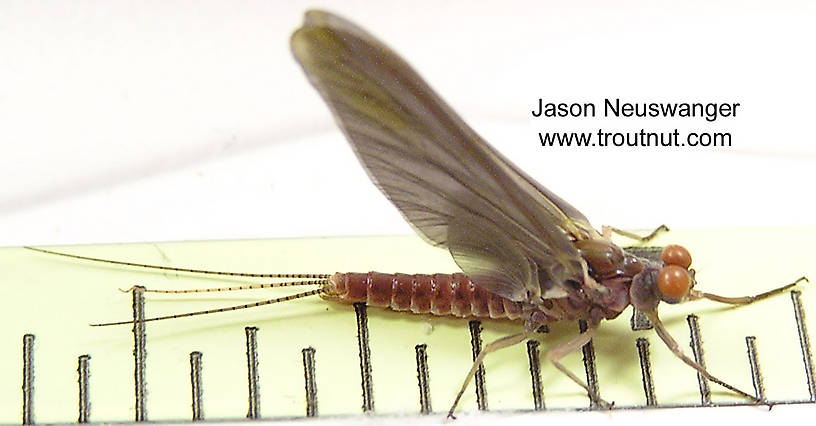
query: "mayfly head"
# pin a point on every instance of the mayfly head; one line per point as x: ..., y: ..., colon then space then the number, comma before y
x: 675, y: 279
x: 670, y: 282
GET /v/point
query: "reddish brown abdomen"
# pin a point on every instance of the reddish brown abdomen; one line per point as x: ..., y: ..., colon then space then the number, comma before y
x: 438, y: 294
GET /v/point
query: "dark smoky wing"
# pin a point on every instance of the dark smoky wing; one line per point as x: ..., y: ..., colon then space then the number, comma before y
x: 497, y: 264
x: 490, y: 258
x: 445, y: 180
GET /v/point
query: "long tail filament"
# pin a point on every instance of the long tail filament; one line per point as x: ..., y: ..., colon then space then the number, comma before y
x: 321, y: 280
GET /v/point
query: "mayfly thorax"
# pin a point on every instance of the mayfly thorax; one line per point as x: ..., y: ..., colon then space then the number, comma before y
x: 526, y: 254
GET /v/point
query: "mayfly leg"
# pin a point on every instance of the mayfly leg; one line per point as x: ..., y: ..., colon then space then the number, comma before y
x: 744, y: 300
x: 555, y: 355
x: 494, y: 346
x: 609, y: 230
x: 678, y: 352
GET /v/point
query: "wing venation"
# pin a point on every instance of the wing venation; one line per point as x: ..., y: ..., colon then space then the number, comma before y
x: 502, y: 228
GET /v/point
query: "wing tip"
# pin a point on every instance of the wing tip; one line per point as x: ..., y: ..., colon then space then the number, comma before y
x: 316, y: 18
x: 300, y: 40
x: 319, y: 26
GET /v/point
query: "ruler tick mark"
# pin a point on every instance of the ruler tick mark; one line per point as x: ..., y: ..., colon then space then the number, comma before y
x: 139, y: 353
x: 804, y: 342
x: 84, y: 374
x: 646, y: 371
x: 310, y: 379
x: 588, y: 351
x: 195, y: 385
x: 365, y: 356
x: 28, y: 379
x: 422, y: 378
x: 753, y: 361
x: 254, y: 410
x: 696, y: 344
x: 476, y: 347
x: 534, y: 357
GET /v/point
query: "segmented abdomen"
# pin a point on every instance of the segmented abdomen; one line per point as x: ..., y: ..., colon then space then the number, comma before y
x: 438, y: 294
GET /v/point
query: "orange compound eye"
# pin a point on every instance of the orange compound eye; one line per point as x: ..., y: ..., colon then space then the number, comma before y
x: 673, y: 282
x: 676, y: 255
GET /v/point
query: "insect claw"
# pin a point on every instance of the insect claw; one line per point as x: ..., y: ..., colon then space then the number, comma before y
x: 600, y: 402
x: 607, y: 231
x: 128, y: 290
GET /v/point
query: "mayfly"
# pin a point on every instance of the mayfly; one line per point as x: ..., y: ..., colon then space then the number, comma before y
x: 526, y: 254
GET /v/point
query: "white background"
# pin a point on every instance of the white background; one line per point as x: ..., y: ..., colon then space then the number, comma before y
x: 155, y: 121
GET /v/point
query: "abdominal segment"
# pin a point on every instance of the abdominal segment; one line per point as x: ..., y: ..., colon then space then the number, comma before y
x: 437, y: 294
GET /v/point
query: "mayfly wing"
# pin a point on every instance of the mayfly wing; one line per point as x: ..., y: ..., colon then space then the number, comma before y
x: 503, y: 229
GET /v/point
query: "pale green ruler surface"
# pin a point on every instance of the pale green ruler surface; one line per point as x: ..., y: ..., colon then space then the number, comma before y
x: 56, y: 298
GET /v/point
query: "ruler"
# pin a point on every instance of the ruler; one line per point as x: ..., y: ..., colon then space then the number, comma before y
x: 313, y: 358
